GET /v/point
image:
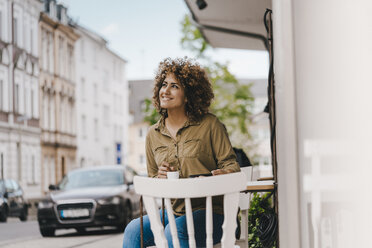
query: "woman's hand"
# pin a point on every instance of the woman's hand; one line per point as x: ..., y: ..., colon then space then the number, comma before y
x: 221, y: 172
x: 163, y: 169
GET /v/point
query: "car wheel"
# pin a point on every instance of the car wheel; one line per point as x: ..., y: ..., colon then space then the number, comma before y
x: 4, y: 215
x: 127, y: 217
x: 24, y: 214
x: 47, y: 232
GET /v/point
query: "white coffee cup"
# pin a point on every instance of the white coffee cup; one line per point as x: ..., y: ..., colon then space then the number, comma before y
x: 173, y: 174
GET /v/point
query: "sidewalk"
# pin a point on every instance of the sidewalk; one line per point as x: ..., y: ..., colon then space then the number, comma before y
x: 106, y: 241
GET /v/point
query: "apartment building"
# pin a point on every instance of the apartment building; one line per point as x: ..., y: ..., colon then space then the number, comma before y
x: 101, y: 102
x: 57, y: 93
x: 19, y: 98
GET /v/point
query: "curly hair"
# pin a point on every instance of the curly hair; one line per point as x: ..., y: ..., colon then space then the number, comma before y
x: 193, y: 78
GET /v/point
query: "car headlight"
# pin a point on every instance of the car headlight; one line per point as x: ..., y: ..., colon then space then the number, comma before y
x: 111, y: 200
x: 45, y: 204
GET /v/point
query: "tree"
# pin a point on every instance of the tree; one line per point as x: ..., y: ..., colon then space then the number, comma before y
x: 233, y: 101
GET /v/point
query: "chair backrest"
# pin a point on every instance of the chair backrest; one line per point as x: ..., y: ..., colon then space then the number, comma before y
x: 228, y: 185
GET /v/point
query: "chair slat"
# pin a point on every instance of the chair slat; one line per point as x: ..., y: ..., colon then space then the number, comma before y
x: 209, y: 222
x: 172, y: 223
x: 190, y: 223
x: 231, y: 202
x: 155, y: 222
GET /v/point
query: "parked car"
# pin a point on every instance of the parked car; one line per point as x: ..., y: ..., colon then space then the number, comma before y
x: 90, y: 197
x: 12, y: 202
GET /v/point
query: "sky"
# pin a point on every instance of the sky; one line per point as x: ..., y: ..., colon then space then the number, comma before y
x: 143, y: 32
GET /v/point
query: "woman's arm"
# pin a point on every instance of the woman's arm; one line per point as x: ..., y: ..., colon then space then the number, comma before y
x: 152, y: 168
x: 223, y: 151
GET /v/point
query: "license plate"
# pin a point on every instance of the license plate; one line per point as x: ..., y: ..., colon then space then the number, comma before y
x: 74, y: 213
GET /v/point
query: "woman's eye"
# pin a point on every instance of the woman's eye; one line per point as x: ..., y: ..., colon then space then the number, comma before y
x: 175, y: 86
x: 163, y: 85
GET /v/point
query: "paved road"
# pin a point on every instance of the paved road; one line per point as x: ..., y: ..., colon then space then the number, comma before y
x: 17, y: 234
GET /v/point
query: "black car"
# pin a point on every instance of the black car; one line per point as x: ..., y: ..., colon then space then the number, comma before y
x: 12, y: 202
x: 90, y: 197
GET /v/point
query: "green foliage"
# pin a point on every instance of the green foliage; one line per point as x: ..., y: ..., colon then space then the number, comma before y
x: 256, y: 209
x: 233, y: 101
x: 192, y: 39
x: 151, y: 115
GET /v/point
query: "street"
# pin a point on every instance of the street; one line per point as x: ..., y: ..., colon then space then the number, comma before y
x: 17, y: 234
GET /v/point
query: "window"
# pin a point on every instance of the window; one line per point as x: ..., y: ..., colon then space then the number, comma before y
x: 95, y: 89
x: 1, y: 26
x: 106, y: 81
x: 32, y: 174
x: 82, y: 89
x: 61, y: 57
x: 70, y: 64
x: 31, y: 40
x: 83, y: 126
x: 32, y: 103
x: 25, y: 99
x: 1, y: 94
x: 15, y: 31
x: 16, y: 99
x: 82, y: 50
x: 96, y: 134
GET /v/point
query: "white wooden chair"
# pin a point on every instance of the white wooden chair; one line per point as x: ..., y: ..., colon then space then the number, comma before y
x: 228, y: 185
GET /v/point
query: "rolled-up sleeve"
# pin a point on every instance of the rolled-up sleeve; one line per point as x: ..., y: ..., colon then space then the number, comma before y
x: 152, y: 168
x: 222, y: 149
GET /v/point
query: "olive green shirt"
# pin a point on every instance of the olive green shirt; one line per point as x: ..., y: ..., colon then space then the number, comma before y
x: 199, y: 147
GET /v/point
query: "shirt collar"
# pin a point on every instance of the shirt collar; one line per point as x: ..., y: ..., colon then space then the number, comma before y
x: 160, y: 125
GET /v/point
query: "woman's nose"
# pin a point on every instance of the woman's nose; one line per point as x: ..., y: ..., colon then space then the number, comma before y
x: 166, y: 90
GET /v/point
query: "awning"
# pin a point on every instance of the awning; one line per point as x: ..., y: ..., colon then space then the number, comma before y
x: 232, y: 23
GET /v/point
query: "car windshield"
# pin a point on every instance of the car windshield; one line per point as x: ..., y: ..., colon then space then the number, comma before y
x: 92, y: 178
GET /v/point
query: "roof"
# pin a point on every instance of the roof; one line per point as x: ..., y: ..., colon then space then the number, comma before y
x: 221, y: 18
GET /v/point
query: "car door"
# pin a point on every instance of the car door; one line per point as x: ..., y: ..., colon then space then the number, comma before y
x: 129, y: 174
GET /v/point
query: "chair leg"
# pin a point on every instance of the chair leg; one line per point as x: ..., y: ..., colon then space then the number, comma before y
x: 244, y: 227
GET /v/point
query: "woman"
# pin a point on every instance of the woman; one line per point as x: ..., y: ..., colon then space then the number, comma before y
x: 188, y: 139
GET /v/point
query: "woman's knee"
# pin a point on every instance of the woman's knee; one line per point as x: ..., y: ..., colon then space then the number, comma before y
x: 132, y: 233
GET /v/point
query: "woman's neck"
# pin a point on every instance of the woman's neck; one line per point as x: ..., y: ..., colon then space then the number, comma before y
x: 176, y: 118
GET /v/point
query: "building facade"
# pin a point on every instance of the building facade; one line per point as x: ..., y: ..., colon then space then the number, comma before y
x: 102, y: 102
x: 19, y: 99
x: 57, y: 93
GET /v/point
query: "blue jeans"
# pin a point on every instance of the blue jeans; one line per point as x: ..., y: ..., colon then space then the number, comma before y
x: 132, y: 233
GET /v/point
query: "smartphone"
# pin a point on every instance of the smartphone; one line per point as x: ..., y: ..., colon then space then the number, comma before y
x: 204, y: 175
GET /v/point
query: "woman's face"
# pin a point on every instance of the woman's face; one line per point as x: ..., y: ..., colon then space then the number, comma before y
x: 172, y: 94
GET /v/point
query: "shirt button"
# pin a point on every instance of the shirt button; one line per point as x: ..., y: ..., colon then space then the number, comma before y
x: 176, y: 156
x: 175, y: 144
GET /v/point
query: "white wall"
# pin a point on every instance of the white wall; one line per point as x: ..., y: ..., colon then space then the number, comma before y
x: 322, y: 59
